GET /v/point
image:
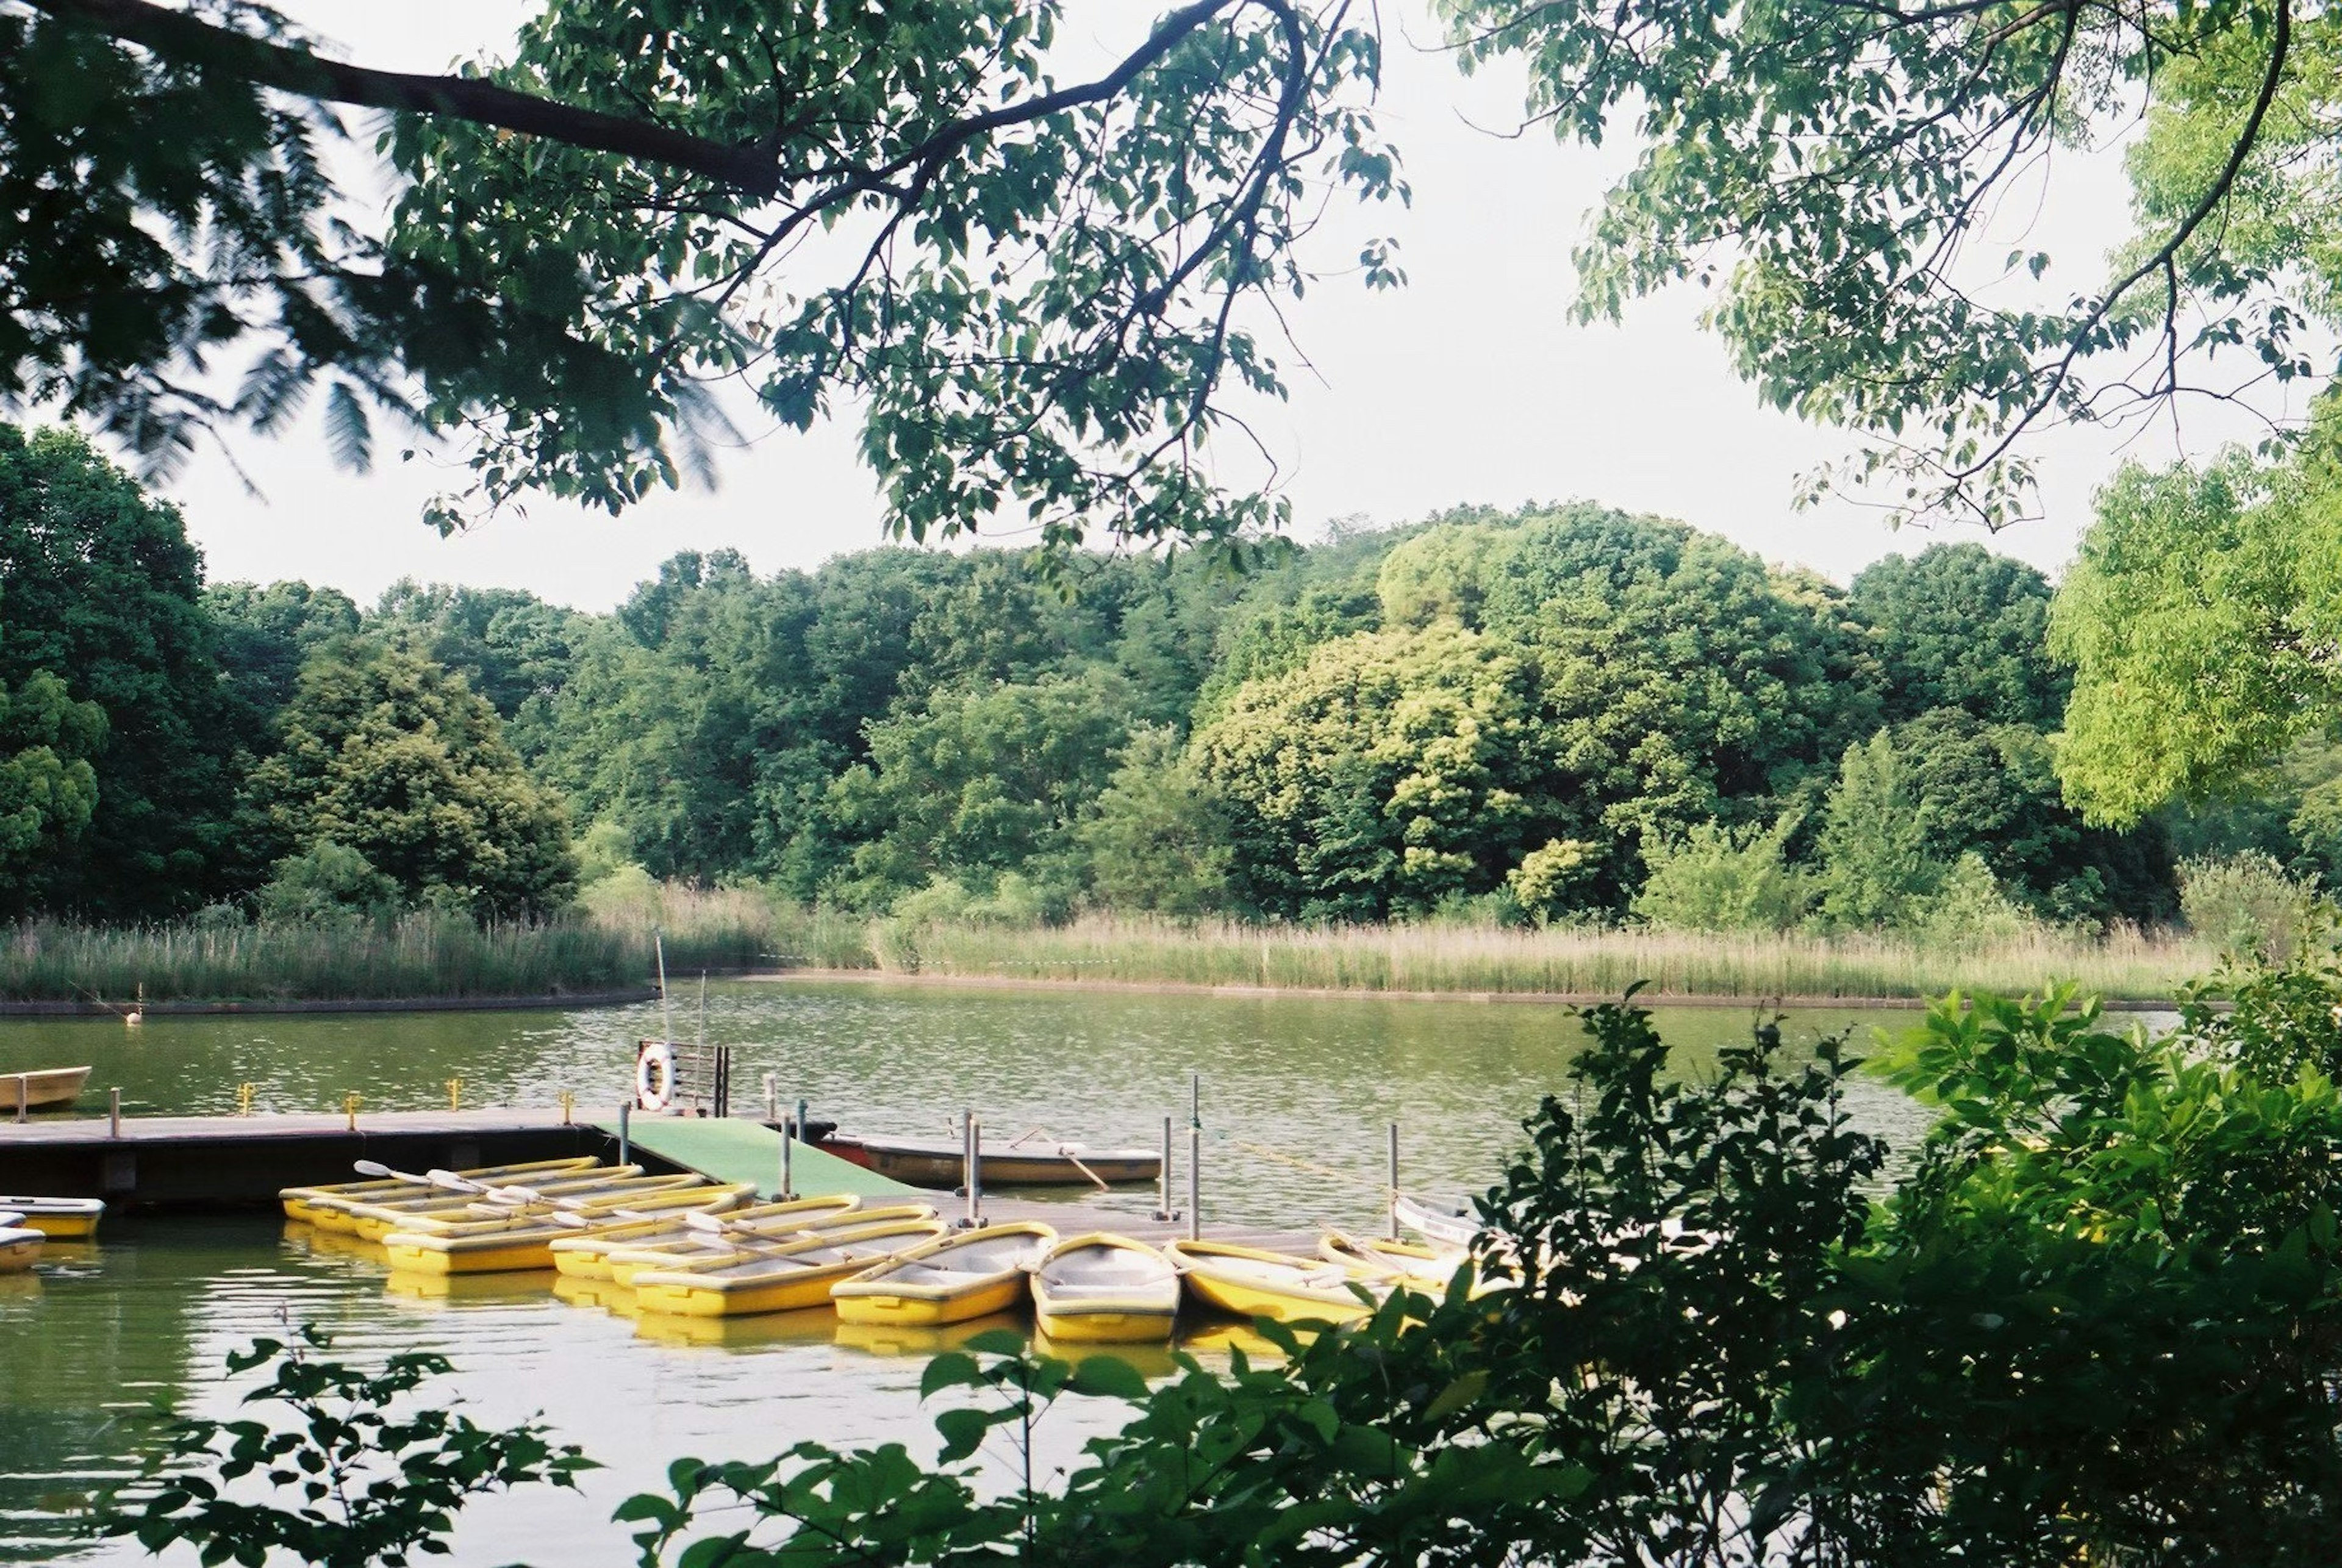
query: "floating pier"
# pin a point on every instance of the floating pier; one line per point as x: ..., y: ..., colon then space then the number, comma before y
x: 193, y: 1162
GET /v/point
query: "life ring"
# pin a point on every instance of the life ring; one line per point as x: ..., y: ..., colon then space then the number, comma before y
x: 654, y: 1076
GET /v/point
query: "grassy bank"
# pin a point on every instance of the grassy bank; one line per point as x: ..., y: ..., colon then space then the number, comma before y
x: 2126, y: 965
x: 608, y: 946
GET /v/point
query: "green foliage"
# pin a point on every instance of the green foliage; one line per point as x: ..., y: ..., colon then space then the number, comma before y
x: 2248, y: 904
x: 1875, y: 868
x: 1159, y: 839
x: 2197, y: 619
x: 48, y: 789
x: 103, y: 590
x: 1551, y: 879
x: 343, y: 1478
x: 1960, y: 627
x: 980, y: 781
x: 1392, y: 769
x: 398, y: 761
x: 1724, y: 879
x: 1043, y: 295
x: 325, y: 882
x: 1822, y: 172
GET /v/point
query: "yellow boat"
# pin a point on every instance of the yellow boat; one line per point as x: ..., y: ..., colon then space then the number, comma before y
x: 776, y: 1279
x: 1416, y: 1264
x: 19, y: 1246
x: 456, y: 1211
x: 59, y: 1219
x: 708, y: 1250
x: 588, y: 1257
x: 1105, y: 1290
x: 949, y: 1280
x: 1252, y: 1282
x: 525, y: 1241
x: 301, y: 1202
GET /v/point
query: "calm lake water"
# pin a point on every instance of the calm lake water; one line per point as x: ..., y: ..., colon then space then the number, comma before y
x: 1297, y: 1094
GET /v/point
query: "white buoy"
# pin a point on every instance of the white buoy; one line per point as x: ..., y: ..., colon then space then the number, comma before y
x: 133, y: 1018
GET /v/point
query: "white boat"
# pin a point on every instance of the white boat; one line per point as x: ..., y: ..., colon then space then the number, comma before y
x: 19, y: 1245
x: 1450, y: 1227
x: 42, y: 1090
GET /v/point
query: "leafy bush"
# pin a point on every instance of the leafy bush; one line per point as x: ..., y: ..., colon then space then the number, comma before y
x: 1716, y: 878
x: 327, y: 882
x: 1968, y: 906
x: 2246, y: 903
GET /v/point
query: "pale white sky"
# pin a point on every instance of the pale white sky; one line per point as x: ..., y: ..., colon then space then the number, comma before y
x: 1470, y: 385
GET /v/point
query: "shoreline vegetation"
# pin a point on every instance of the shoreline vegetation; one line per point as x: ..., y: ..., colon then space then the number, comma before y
x: 608, y: 947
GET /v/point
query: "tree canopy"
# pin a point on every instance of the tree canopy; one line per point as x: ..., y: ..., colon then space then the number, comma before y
x: 1835, y: 176
x: 1032, y: 290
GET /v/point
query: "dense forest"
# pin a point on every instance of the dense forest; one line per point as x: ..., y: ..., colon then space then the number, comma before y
x: 1556, y: 714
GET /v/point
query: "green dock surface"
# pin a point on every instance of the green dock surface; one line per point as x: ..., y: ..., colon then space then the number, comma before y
x: 732, y: 1149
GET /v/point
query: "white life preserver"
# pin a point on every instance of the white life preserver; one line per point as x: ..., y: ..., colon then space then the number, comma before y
x: 654, y: 1076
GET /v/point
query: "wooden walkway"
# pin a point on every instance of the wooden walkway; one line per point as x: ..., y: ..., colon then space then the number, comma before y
x: 227, y: 1162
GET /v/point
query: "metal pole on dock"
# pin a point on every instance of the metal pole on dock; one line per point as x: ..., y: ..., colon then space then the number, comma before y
x: 699, y: 1077
x: 114, y: 1112
x: 772, y: 1098
x: 1163, y: 1208
x: 974, y: 1169
x: 23, y: 1093
x: 788, y: 1162
x: 1390, y: 1199
x: 1194, y: 1156
x: 626, y: 1137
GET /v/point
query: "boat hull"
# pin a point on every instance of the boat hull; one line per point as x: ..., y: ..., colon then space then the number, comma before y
x: 930, y: 1310
x: 1078, y: 1298
x: 18, y: 1249
x: 691, y: 1295
x: 1254, y: 1283
x: 311, y: 1204
x: 1104, y: 1325
x: 48, y: 1090
x: 522, y: 1243
x: 923, y: 1163
x: 59, y: 1219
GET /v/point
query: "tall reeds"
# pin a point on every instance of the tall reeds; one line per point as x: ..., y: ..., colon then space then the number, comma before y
x: 2127, y: 965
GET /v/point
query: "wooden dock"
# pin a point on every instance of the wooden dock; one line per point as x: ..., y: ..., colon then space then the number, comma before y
x: 197, y: 1162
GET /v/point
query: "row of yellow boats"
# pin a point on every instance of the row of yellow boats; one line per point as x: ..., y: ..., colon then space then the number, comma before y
x: 688, y: 1248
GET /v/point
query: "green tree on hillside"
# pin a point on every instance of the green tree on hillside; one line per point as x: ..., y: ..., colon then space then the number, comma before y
x: 390, y: 756
x: 266, y: 634
x: 1957, y: 627
x: 1159, y: 839
x: 1876, y: 868
x: 979, y: 781
x: 510, y: 646
x: 48, y: 789
x: 103, y: 590
x: 1390, y: 770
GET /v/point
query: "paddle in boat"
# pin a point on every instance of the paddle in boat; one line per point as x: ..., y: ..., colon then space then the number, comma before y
x: 715, y: 1245
x: 776, y: 1278
x: 1417, y: 1264
x: 525, y: 1241
x: 1103, y: 1289
x: 42, y: 1090
x: 1441, y: 1227
x: 1289, y: 1288
x: 949, y: 1280
x: 1029, y: 1161
x: 299, y: 1200
x: 59, y: 1219
x: 588, y: 1257
x: 456, y: 1211
x: 19, y: 1244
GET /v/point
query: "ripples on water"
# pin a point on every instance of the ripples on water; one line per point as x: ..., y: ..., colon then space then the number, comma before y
x: 1297, y: 1094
